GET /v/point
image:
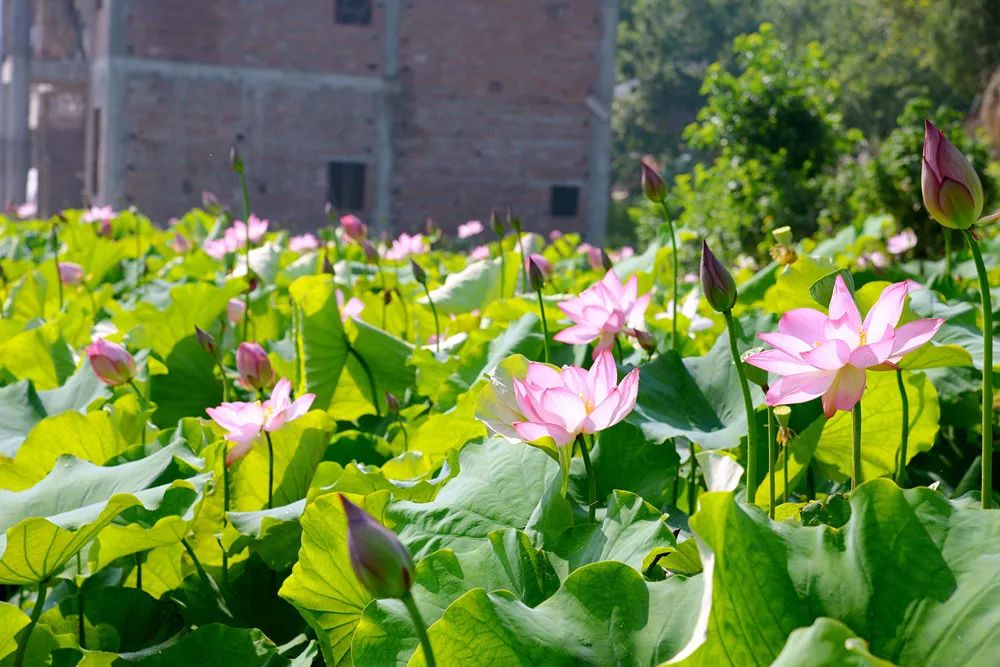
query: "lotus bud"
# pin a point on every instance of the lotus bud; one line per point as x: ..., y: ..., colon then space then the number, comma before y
x: 653, y: 186
x: 646, y: 341
x: 327, y: 264
x: 418, y: 272
x: 70, y: 273
x: 391, y: 403
x: 387, y: 297
x: 379, y: 560
x: 235, y: 311
x: 205, y: 339
x: 716, y: 282
x: 953, y: 193
x: 353, y: 227
x: 254, y: 367
x: 514, y: 221
x: 111, y: 363
x: 371, y: 254
x: 330, y: 211
x: 535, y: 275
x: 235, y: 160
x: 606, y: 262
x: 497, y: 224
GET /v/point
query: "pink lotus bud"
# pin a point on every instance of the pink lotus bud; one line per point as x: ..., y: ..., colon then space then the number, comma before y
x: 111, y: 363
x: 180, y: 244
x: 235, y: 311
x: 254, y: 367
x: 716, y: 282
x: 205, y: 339
x: 391, y: 403
x: 535, y: 275
x: 353, y: 227
x: 653, y: 186
x: 379, y: 560
x: 953, y: 193
x: 646, y: 341
x: 70, y: 273
x: 371, y: 254
x: 104, y: 229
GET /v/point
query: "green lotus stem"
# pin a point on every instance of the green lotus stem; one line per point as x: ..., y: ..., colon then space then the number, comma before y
x: 591, y: 479
x: 503, y: 268
x: 545, y: 324
x: 142, y: 407
x: 406, y: 437
x: 246, y: 249
x: 618, y: 348
x: 673, y: 253
x: 270, y: 470
x: 984, y: 291
x: 524, y: 259
x: 418, y: 621
x: 138, y: 571
x: 222, y: 370
x: 140, y: 264
x: 368, y: 373
x: 856, y: 446
x: 225, y: 513
x: 207, y: 580
x: 905, y: 429
x: 947, y: 251
x: 79, y: 602
x: 437, y: 326
x: 771, y: 460
x: 36, y: 612
x: 786, y: 454
x: 751, y: 471
x: 55, y: 262
x: 406, y: 316
x: 693, y: 484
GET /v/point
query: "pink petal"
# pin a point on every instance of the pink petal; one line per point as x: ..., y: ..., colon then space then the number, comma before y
x: 563, y: 407
x: 829, y: 356
x: 279, y: 397
x: 628, y: 392
x: 913, y: 334
x: 579, y: 334
x: 299, y: 406
x: 613, y: 284
x: 606, y: 341
x: 886, y: 311
x: 845, y: 391
x: 799, y: 388
x: 602, y: 377
x: 779, y: 362
x: 786, y: 342
x: 533, y: 432
x: 603, y: 415
x: 842, y: 329
x: 576, y: 380
x: 842, y: 303
x: 543, y: 376
x: 237, y: 452
x: 806, y: 324
x: 873, y: 354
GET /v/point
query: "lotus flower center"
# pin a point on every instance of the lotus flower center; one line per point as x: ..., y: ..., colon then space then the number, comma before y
x: 268, y: 410
x: 862, y: 337
x: 588, y: 407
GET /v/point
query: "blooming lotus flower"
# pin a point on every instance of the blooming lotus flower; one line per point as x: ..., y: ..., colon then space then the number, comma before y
x: 379, y: 560
x: 877, y: 260
x: 254, y: 367
x: 303, y: 242
x: 235, y: 311
x: 352, y: 227
x: 604, y: 310
x: 70, y: 273
x: 470, y: 228
x: 406, y: 245
x: 593, y: 253
x: 352, y: 308
x: 99, y: 214
x: 826, y: 355
x: 27, y: 210
x: 111, y: 363
x: 953, y: 193
x: 901, y: 242
x: 244, y: 422
x: 480, y: 252
x: 258, y: 227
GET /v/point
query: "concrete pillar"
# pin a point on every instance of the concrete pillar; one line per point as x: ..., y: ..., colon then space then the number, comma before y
x: 384, y: 148
x: 16, y: 136
x: 599, y: 179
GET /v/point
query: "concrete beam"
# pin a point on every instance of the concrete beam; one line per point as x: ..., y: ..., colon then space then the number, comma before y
x: 599, y: 178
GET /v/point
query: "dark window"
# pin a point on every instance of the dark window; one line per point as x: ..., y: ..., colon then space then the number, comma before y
x: 346, y: 185
x: 354, y: 12
x: 95, y: 153
x: 564, y: 201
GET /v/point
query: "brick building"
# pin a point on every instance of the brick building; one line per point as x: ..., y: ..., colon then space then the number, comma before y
x: 398, y: 109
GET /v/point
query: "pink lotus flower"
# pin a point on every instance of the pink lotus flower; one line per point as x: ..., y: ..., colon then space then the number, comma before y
x: 593, y: 253
x: 27, y: 210
x: 561, y: 404
x: 254, y: 367
x: 258, y: 227
x: 555, y: 234
x: 180, y: 244
x: 99, y: 214
x: 826, y: 355
x: 70, y: 273
x: 352, y: 308
x: 901, y: 242
x: 877, y: 260
x: 244, y: 422
x: 303, y: 242
x: 470, y: 228
x: 480, y: 252
x: 406, y: 245
x: 235, y: 311
x: 104, y: 229
x: 603, y: 311
x: 352, y: 227
x: 111, y: 363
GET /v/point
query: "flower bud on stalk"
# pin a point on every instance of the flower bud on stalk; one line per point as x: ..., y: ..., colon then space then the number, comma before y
x: 70, y: 273
x: 371, y: 254
x: 205, y: 339
x: 111, y: 363
x: 254, y: 367
x: 496, y: 224
x: 353, y: 228
x: 391, y: 403
x: 953, y: 193
x: 606, y: 262
x: 235, y: 160
x: 418, y: 272
x: 716, y: 282
x: 235, y: 311
x: 379, y: 560
x: 653, y: 186
x: 535, y: 275
x: 646, y: 341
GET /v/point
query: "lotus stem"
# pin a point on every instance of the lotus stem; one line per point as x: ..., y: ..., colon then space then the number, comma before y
x: 36, y: 612
x: 545, y: 324
x: 591, y: 479
x: 270, y: 470
x: 418, y: 621
x: 751, y: 471
x: 905, y: 429
x: 856, y: 478
x: 771, y: 460
x: 246, y: 249
x: 675, y: 261
x: 437, y: 326
x: 368, y: 373
x: 987, y: 424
